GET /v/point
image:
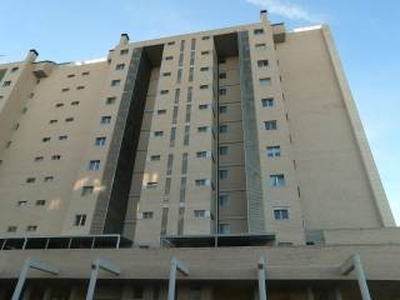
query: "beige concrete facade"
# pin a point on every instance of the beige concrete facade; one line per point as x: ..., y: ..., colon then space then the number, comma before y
x: 236, y: 137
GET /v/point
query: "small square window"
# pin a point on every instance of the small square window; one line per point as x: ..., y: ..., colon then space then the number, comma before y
x: 166, y: 74
x: 222, y: 61
x: 59, y: 104
x: 48, y: 178
x: 204, y: 38
x: 46, y: 139
x: 222, y: 92
x: 158, y: 133
x: 120, y: 67
x: 12, y: 229
x: 7, y: 83
x: 100, y: 141
x: 80, y: 220
x: 151, y: 185
x: 205, y: 52
x: 155, y: 157
x: 258, y: 31
x: 224, y: 228
x: 223, y: 150
x: 273, y: 151
x: 56, y: 157
x: 75, y: 103
x: 223, y: 128
x: 202, y: 129
x: 223, y: 109
x: 86, y: 73
x: 199, y: 214
x: 267, y: 102
x: 30, y: 180
x: 105, y: 120
x: 63, y: 90
x: 40, y: 202
x: 169, y: 57
x: 147, y: 215
x: 14, y: 69
x: 68, y: 120
x: 81, y: 87
x: 111, y: 100
x: 22, y: 203
x: 87, y: 190
x: 262, y: 63
x: 202, y: 154
x: 171, y: 43
x: 161, y: 112
x: 223, y: 200
x: 124, y: 52
x: 31, y: 228
x: 276, y: 180
x: 261, y: 46
x: 265, y: 81
x: 163, y: 92
x: 203, y: 106
x: 203, y: 69
x: 94, y: 165
x: 63, y: 137
x: 204, y: 86
x: 270, y: 125
x: 200, y: 182
x: 223, y: 174
x: 39, y: 158
x: 281, y: 214
x: 116, y: 82
x: 222, y: 75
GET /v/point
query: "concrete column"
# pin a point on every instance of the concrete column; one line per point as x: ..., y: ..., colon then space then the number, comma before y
x: 176, y: 265
x: 354, y: 263
x: 262, y: 290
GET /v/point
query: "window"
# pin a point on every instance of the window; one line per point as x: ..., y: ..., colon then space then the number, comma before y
x: 222, y: 92
x: 59, y: 104
x: 81, y: 87
x: 7, y: 83
x: 205, y: 52
x: 170, y: 163
x: 111, y: 100
x: 14, y: 69
x: 105, y: 120
x: 223, y: 109
x: 265, y: 81
x: 48, y: 178
x: 30, y: 180
x: 169, y: 58
x: 180, y: 62
x: 115, y: 82
x: 179, y: 76
x: 205, y: 38
x: 223, y: 150
x: 63, y: 90
x: 166, y: 74
x: 31, y: 228
x: 203, y: 69
x: 222, y: 75
x: 223, y: 174
x: 182, y: 47
x: 281, y: 214
x: 276, y: 180
x: 258, y: 31
x: 273, y: 151
x: 156, y: 157
x: 163, y: 92
x: 86, y: 73
x: 223, y: 200
x: 120, y: 67
x: 100, y: 141
x: 192, y: 57
x: 262, y: 63
x: 204, y: 86
x: 186, y: 136
x: 12, y: 229
x: 193, y: 44
x: 161, y: 112
x: 40, y: 202
x: 75, y: 103
x: 199, y: 214
x: 87, y: 190
x: 267, y: 102
x: 80, y: 220
x: 56, y: 157
x: 189, y: 94
x: 158, y: 133
x: 202, y: 154
x: 22, y: 203
x: 191, y: 74
x: 151, y: 185
x: 62, y: 137
x: 270, y: 125
x: 124, y: 51
x: 187, y: 114
x: 203, y: 106
x: 147, y: 215
x: 94, y: 165
x: 46, y: 139
x: 39, y: 158
x: 172, y: 137
x: 200, y: 182
x: 171, y: 43
x: 223, y: 128
x: 202, y: 129
x: 69, y: 120
x: 224, y: 228
x: 222, y: 61
x: 261, y: 46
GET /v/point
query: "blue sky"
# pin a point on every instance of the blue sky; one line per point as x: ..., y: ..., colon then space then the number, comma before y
x: 365, y: 34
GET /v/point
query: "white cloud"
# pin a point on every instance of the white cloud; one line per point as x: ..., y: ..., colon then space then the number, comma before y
x: 285, y: 9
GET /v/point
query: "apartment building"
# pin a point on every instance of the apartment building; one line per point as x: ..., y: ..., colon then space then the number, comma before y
x: 231, y: 144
